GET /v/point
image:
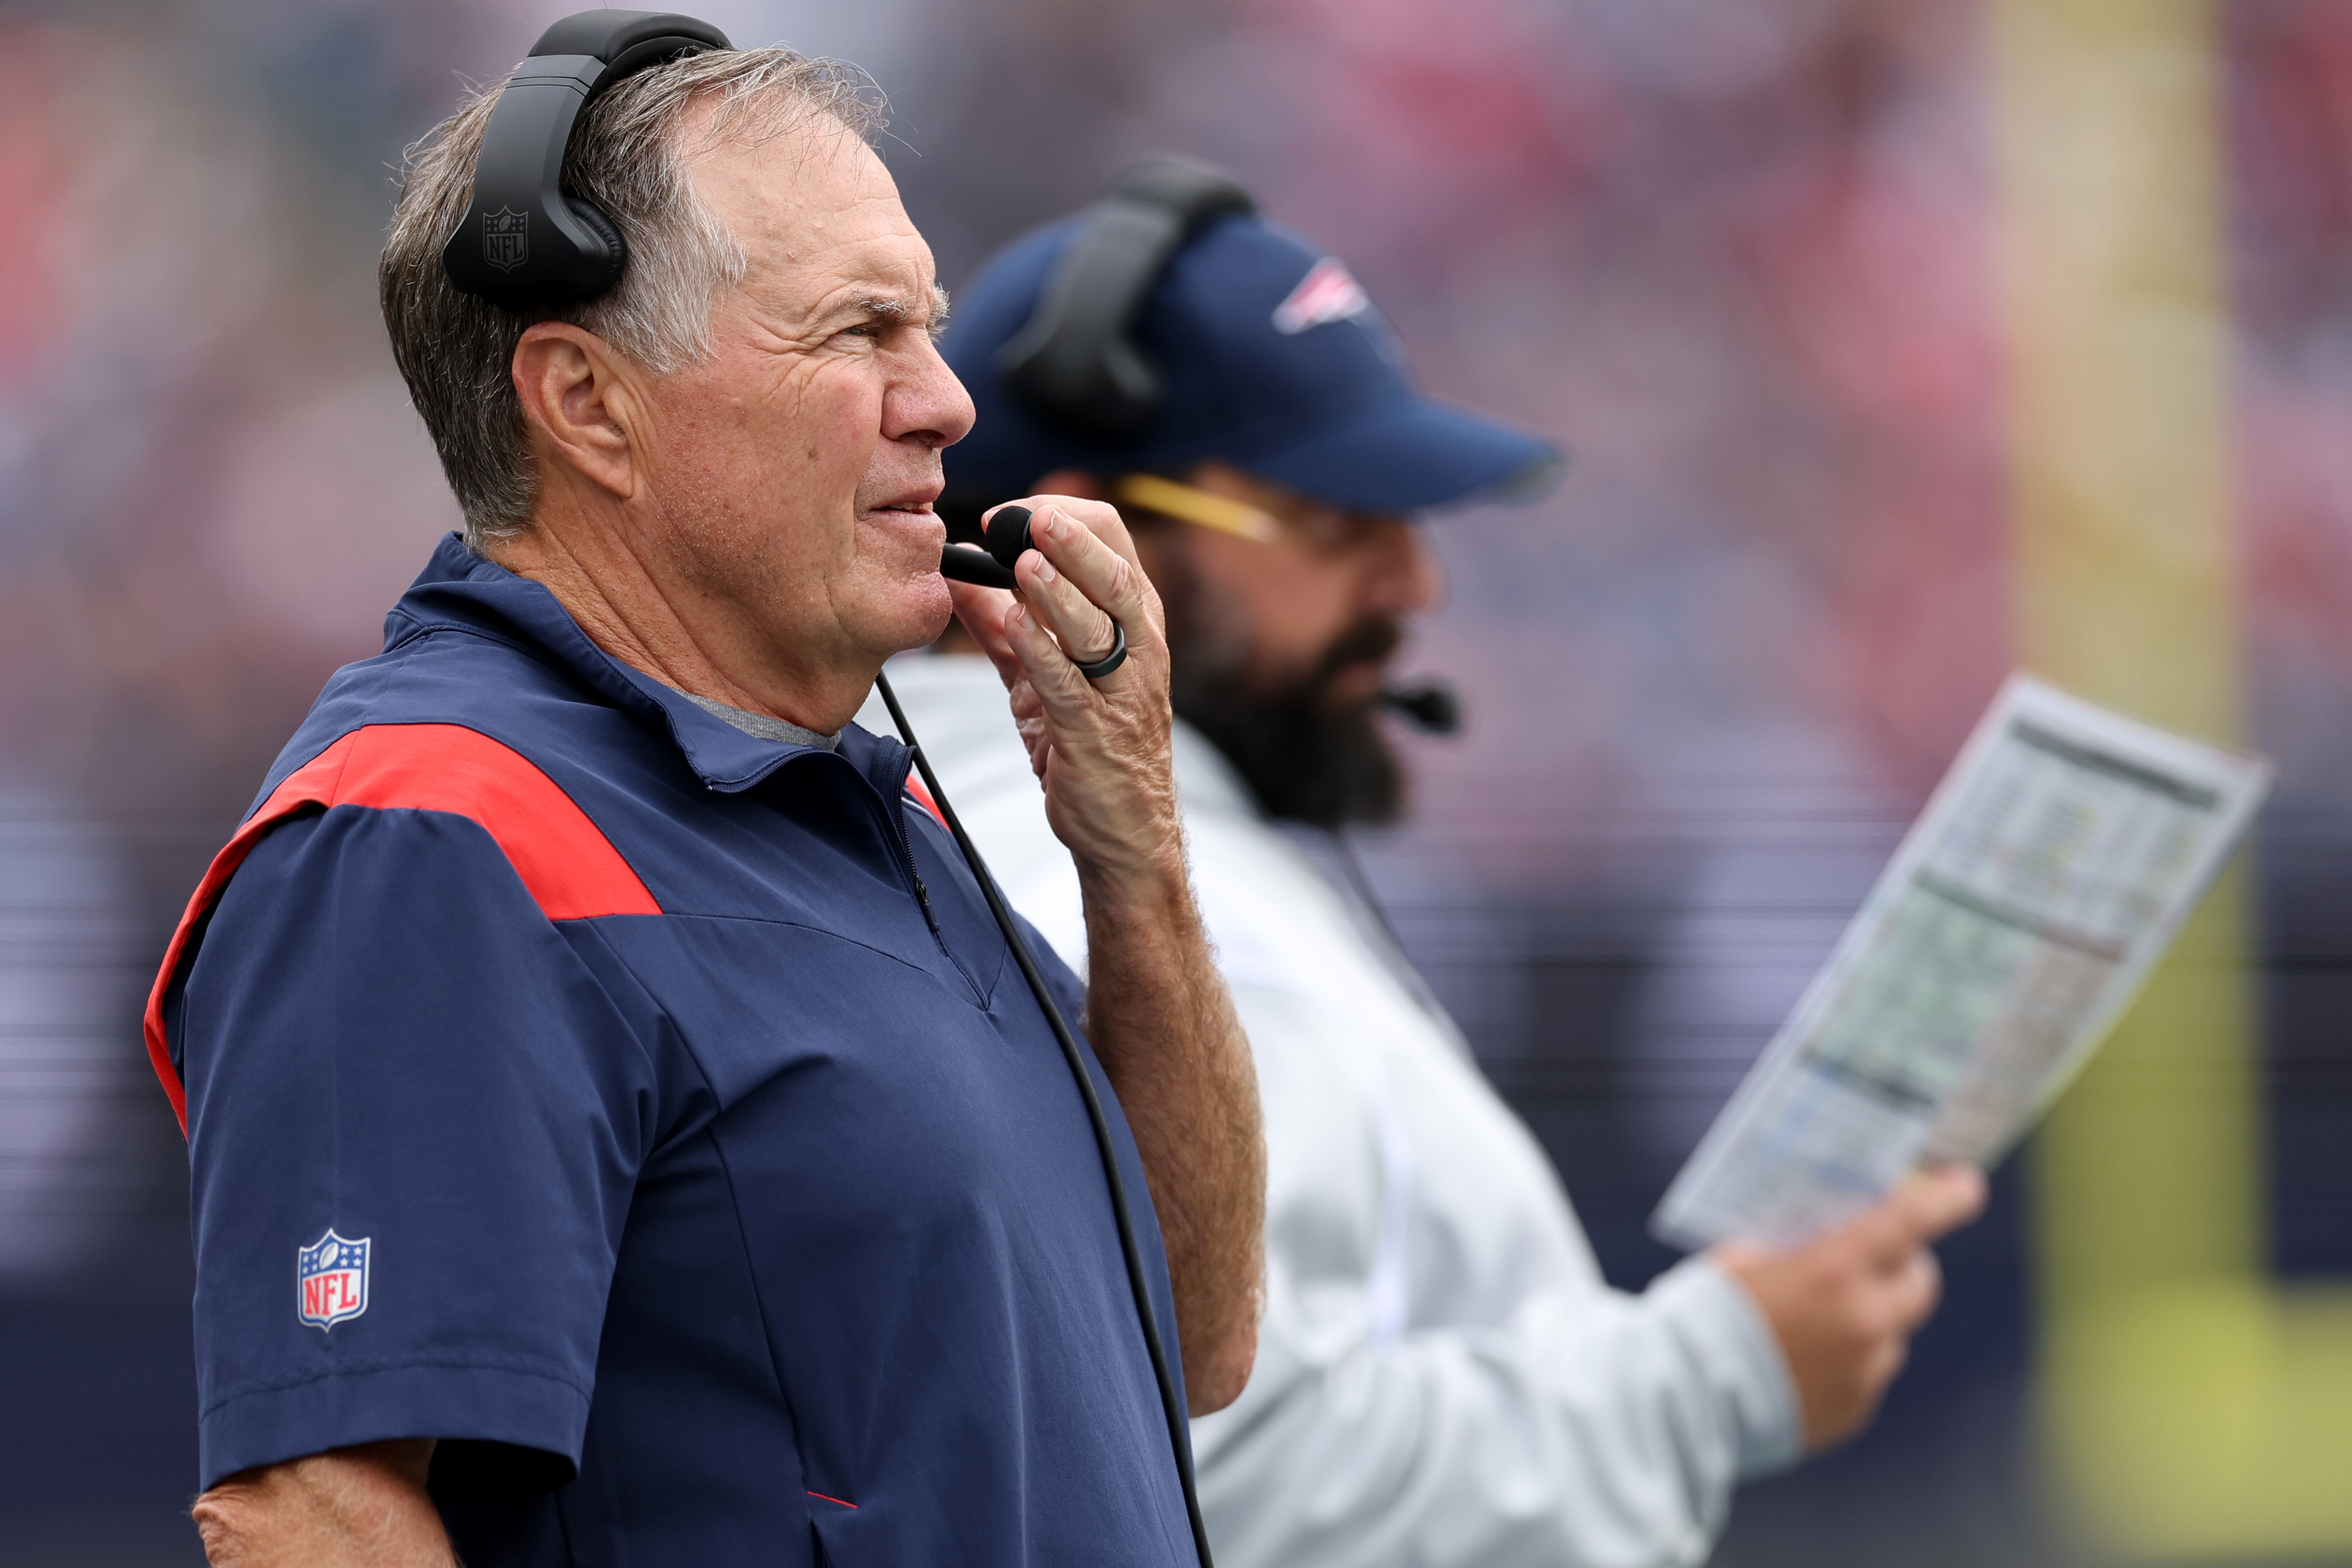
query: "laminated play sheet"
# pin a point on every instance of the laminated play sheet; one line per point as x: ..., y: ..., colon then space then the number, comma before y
x: 2047, y: 875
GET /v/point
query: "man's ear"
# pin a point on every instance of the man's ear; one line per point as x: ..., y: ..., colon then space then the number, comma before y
x: 1071, y: 482
x: 577, y: 405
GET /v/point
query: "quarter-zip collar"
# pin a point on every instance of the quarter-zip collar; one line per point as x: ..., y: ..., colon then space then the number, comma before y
x: 460, y: 590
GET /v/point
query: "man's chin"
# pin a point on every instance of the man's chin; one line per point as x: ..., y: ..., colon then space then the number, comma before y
x: 1306, y: 757
x: 912, y: 614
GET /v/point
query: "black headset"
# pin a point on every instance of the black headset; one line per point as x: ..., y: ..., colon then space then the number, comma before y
x: 522, y: 240
x: 1076, y: 363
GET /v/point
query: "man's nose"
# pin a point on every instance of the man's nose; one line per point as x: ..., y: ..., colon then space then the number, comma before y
x: 928, y: 405
x: 1405, y: 578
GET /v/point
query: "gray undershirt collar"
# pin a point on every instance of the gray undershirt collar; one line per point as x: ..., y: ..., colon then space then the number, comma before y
x: 765, y: 728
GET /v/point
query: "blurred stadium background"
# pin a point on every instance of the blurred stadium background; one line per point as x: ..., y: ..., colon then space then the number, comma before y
x: 1898, y: 342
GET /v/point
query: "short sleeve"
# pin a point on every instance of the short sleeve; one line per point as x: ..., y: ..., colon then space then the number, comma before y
x: 415, y: 1117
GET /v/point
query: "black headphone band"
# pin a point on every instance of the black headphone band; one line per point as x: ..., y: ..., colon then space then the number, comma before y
x: 522, y: 240
x: 1075, y: 363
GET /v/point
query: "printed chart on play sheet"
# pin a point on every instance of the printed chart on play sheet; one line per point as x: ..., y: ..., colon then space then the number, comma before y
x: 2047, y: 875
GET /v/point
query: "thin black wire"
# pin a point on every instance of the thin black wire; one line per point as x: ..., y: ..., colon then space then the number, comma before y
x: 1179, y: 1439
x: 1362, y: 884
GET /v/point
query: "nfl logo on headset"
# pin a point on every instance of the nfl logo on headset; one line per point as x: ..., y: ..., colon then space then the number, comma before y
x: 506, y: 239
x: 332, y: 1275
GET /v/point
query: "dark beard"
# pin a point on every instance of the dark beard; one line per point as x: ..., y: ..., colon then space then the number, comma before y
x: 1306, y: 757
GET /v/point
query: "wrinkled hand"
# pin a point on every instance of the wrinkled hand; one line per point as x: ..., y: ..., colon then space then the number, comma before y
x: 1845, y: 1305
x: 1100, y: 748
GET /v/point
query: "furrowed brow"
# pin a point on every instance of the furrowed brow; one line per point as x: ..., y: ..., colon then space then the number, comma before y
x: 889, y: 307
x: 897, y: 308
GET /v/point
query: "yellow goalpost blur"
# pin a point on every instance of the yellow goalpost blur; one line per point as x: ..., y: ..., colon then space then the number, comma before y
x: 2188, y: 1406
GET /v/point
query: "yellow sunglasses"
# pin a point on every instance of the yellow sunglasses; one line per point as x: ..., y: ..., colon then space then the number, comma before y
x: 1190, y: 503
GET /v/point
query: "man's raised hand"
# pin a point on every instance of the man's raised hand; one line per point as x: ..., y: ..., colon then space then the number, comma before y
x: 1099, y: 747
x: 1157, y: 1012
x: 1845, y: 1305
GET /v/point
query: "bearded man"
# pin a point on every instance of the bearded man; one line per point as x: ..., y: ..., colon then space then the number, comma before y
x: 1444, y: 1379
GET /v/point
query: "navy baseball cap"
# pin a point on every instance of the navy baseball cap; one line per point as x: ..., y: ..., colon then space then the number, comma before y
x: 1273, y: 360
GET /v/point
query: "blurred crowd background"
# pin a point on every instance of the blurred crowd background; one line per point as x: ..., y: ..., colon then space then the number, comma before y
x: 1744, y: 257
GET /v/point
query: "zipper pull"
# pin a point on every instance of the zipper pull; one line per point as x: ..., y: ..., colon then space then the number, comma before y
x: 923, y: 896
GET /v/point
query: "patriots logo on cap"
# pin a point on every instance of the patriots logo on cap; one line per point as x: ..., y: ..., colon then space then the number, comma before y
x: 332, y: 1274
x: 1328, y: 294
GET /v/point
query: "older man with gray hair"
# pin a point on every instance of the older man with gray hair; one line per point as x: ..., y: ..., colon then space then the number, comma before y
x: 620, y: 1127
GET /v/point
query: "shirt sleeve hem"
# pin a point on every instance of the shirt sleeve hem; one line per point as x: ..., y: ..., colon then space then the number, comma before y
x: 495, y: 1405
x: 1750, y: 1375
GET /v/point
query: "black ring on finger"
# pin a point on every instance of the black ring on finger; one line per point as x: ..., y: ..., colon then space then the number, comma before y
x: 1109, y: 661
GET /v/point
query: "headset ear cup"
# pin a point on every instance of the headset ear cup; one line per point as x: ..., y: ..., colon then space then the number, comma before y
x: 1131, y: 393
x: 598, y: 273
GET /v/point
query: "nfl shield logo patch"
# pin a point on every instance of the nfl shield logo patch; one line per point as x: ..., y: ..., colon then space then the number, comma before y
x: 332, y: 1274
x: 506, y: 239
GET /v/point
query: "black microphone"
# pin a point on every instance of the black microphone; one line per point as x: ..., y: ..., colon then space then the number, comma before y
x: 965, y: 564
x: 1008, y: 536
x: 1429, y: 705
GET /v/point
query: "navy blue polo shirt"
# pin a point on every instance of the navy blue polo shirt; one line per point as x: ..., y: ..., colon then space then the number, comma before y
x: 654, y: 1115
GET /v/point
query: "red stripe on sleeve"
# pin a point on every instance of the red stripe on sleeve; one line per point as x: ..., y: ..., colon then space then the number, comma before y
x: 570, y: 867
